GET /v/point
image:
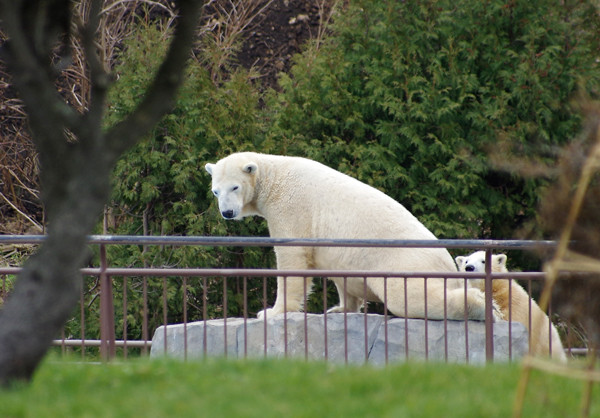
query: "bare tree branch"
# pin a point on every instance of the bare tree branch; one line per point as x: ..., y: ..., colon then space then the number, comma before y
x: 98, y: 76
x: 76, y: 160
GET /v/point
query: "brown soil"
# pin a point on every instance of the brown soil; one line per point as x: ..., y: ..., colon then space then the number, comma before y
x: 280, y: 33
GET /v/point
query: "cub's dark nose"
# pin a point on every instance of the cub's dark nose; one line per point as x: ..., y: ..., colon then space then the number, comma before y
x: 228, y: 214
x: 468, y: 268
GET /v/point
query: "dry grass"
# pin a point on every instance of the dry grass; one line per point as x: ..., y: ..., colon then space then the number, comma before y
x: 226, y: 22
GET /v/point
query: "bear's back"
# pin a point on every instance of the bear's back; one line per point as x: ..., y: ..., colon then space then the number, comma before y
x: 342, y: 206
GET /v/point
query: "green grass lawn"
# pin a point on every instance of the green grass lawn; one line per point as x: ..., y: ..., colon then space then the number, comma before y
x: 285, y: 388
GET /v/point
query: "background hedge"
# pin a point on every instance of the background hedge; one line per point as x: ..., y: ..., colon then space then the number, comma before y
x: 429, y: 101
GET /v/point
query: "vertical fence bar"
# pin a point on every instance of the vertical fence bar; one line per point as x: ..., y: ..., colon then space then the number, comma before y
x: 325, y: 317
x: 285, y: 333
x: 185, y: 319
x: 225, y: 315
x: 489, y: 317
x: 107, y: 314
x: 345, y: 301
x: 446, y: 319
x: 125, y: 317
x: 366, y: 309
x: 265, y: 316
x: 510, y: 306
x: 245, y: 307
x: 406, y: 318
x: 529, y: 318
x: 426, y: 320
x: 82, y: 316
x: 164, y: 303
x: 145, y: 314
x: 550, y: 327
x: 385, y: 319
x: 305, y: 319
x: 466, y: 310
x: 204, y: 314
x: 569, y: 346
x: 63, y: 348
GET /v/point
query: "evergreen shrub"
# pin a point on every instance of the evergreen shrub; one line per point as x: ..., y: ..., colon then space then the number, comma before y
x: 413, y: 98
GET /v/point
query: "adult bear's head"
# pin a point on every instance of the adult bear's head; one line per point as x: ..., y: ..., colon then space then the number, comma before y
x: 233, y: 180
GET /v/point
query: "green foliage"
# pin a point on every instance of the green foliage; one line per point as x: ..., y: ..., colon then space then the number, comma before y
x: 412, y: 97
x: 275, y: 388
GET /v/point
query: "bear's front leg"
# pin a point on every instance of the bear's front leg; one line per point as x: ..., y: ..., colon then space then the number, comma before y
x: 290, y: 290
x: 290, y: 296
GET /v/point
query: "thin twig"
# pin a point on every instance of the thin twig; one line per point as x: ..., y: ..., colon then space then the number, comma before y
x: 149, y: 2
x: 35, y: 193
x: 37, y: 225
x: 562, y: 370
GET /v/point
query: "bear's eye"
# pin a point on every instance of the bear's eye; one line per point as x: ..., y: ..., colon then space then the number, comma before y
x: 216, y: 193
x: 234, y: 188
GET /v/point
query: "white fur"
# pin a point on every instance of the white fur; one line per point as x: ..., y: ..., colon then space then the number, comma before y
x: 301, y: 198
x: 515, y: 307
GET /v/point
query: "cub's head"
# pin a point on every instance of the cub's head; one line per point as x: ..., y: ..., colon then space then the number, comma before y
x: 476, y: 262
x: 233, y: 181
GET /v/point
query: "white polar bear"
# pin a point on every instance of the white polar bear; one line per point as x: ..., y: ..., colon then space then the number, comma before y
x: 301, y: 198
x: 517, y: 305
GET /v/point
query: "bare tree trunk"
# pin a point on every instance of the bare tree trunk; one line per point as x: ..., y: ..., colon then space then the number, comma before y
x: 76, y: 159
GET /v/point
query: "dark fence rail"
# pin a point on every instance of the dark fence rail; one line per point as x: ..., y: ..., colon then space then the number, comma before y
x: 104, y: 273
x: 297, y: 242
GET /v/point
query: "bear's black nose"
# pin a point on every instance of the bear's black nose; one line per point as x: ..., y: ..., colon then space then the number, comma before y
x: 470, y: 268
x: 228, y: 214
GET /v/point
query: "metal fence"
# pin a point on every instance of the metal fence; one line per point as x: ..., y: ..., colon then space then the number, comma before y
x: 109, y: 280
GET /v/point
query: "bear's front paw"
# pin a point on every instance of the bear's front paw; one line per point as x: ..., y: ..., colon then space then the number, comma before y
x: 268, y: 312
x: 336, y: 309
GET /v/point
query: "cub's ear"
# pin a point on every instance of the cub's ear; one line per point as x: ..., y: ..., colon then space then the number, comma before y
x: 209, y: 168
x: 459, y: 261
x: 501, y: 259
x: 250, y: 168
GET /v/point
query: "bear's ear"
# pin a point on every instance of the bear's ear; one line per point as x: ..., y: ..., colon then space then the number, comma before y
x: 501, y: 259
x: 250, y: 168
x: 209, y: 168
x: 459, y: 261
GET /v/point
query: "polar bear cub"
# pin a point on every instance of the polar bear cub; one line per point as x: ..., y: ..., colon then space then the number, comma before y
x: 301, y: 198
x: 519, y: 305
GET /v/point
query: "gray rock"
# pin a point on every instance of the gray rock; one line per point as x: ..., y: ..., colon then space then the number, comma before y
x: 236, y: 337
x: 309, y: 341
x: 446, y: 341
x: 217, y: 333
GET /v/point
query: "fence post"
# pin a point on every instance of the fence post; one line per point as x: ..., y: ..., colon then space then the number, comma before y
x: 107, y: 313
x: 489, y: 308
